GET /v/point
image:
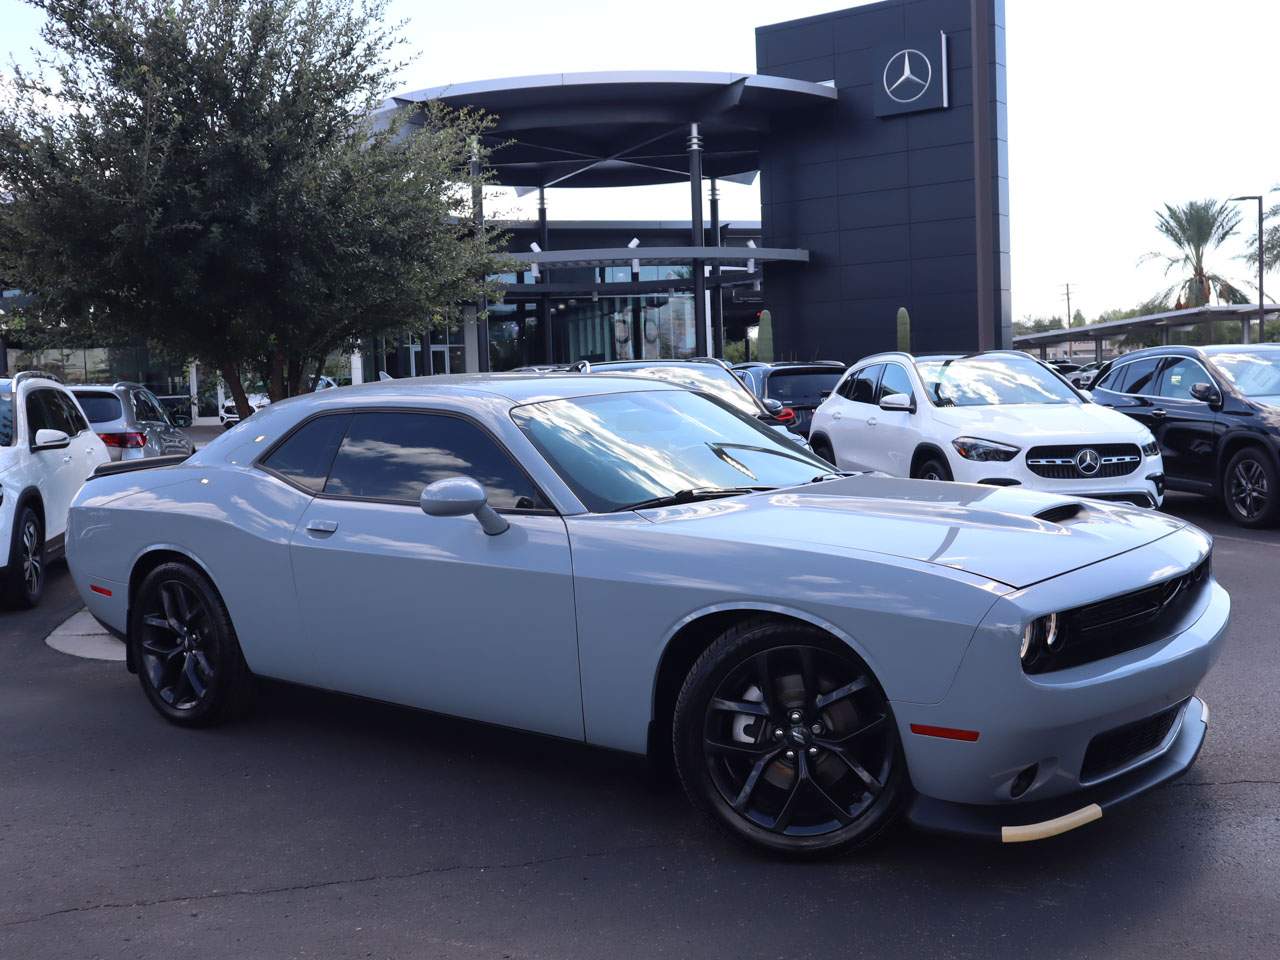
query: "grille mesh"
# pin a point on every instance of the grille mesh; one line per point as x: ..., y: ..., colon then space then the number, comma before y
x: 1040, y: 461
x: 1114, y: 749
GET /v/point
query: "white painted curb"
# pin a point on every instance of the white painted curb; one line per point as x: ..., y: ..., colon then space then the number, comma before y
x: 82, y: 636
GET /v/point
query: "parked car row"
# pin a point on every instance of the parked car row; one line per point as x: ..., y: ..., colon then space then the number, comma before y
x: 982, y: 660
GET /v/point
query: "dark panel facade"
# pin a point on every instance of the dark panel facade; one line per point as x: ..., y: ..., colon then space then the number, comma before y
x: 902, y: 210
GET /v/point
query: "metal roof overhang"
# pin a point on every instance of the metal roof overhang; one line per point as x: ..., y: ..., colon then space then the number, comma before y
x: 623, y: 128
x: 725, y: 256
x: 1152, y: 321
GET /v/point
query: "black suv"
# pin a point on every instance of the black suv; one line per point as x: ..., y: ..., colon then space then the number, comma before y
x: 1216, y: 414
x: 798, y: 385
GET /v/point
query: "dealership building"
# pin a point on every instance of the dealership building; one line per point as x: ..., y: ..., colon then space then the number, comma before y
x: 878, y: 137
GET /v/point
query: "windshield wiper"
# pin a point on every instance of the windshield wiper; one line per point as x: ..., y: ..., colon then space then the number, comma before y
x: 692, y: 495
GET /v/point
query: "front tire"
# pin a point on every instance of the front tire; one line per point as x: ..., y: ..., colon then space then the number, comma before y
x: 821, y: 446
x: 932, y: 467
x: 1250, y: 490
x: 785, y: 739
x: 24, y: 585
x: 188, y: 657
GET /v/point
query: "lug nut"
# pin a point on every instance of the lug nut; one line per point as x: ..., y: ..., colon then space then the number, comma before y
x: 813, y: 751
x: 816, y: 728
x: 777, y: 733
x: 791, y: 754
x: 795, y: 716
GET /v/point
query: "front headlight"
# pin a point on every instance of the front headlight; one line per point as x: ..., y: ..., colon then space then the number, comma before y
x: 1038, y: 637
x: 982, y: 451
x: 1151, y: 448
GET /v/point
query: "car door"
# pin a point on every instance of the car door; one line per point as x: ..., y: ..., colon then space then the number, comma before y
x: 53, y: 471
x: 87, y: 448
x: 850, y: 425
x: 433, y: 612
x: 1130, y: 388
x: 892, y: 435
x: 1187, y: 429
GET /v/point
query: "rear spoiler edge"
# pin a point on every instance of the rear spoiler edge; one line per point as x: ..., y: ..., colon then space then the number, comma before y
x: 128, y: 466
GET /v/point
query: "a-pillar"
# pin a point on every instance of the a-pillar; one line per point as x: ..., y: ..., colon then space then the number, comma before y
x: 698, y: 239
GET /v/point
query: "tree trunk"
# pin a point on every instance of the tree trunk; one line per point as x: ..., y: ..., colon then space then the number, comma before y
x: 275, y: 383
x: 231, y: 377
x: 296, y: 384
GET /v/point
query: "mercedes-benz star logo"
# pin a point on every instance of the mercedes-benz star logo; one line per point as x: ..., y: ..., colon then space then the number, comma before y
x: 1088, y: 461
x: 907, y: 75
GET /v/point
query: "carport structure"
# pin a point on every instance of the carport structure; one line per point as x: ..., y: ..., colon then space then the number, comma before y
x: 636, y: 128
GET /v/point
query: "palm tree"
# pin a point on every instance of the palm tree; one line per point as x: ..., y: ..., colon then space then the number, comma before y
x: 1196, y: 229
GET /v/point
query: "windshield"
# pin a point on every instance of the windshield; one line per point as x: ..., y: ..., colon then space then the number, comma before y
x: 6, y: 413
x: 802, y: 388
x: 618, y: 450
x: 1255, y: 374
x: 703, y: 377
x: 99, y: 407
x: 991, y: 381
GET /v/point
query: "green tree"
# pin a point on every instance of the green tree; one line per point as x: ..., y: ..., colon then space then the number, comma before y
x: 1270, y: 239
x: 204, y: 174
x: 1196, y: 229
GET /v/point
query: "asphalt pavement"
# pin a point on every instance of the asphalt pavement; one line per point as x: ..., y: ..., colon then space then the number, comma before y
x: 332, y: 828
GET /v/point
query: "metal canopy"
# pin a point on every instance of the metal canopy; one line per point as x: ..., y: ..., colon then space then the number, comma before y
x: 660, y: 255
x: 624, y: 128
x: 1152, y: 321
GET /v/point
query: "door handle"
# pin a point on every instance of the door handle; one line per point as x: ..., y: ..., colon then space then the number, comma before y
x: 68, y: 458
x: 322, y: 526
x: 836, y: 415
x: 1158, y: 412
x: 871, y: 421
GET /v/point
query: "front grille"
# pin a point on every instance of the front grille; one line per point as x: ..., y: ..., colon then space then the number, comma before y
x: 1116, y: 748
x: 1132, y: 620
x: 1064, y: 463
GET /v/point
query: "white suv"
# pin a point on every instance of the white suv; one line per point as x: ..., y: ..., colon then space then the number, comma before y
x: 999, y: 418
x: 47, y: 450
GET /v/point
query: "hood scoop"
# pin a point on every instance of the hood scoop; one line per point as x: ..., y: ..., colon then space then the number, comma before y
x: 1060, y: 512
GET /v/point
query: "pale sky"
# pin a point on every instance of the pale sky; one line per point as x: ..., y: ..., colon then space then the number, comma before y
x: 1115, y: 106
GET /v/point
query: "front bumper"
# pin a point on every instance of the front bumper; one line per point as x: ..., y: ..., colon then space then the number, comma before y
x: 1144, y: 486
x: 1039, y: 820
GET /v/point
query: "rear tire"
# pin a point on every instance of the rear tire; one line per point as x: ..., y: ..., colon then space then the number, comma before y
x: 784, y: 739
x: 189, y: 660
x: 24, y: 582
x: 1250, y: 490
x: 821, y: 446
x: 932, y: 467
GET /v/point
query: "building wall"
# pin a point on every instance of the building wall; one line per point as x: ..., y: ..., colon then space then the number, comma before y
x: 897, y: 211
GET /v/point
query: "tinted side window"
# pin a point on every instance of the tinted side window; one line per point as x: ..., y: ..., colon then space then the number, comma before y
x: 305, y: 457
x: 1114, y: 378
x: 392, y: 456
x: 864, y: 384
x: 42, y: 413
x: 1142, y: 377
x: 71, y: 414
x: 1179, y: 376
x: 146, y: 408
x: 895, y: 380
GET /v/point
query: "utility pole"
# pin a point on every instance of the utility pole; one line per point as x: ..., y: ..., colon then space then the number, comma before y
x: 1070, y: 346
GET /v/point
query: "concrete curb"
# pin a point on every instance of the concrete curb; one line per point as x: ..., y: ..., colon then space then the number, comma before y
x: 82, y: 636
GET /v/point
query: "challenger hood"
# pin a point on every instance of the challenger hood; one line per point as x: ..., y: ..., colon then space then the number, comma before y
x: 1017, y: 537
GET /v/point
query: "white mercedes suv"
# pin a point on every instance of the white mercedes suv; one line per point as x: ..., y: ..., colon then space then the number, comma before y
x: 47, y: 450
x: 1000, y: 418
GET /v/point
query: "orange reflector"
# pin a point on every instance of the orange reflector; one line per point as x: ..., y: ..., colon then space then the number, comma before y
x: 97, y: 589
x: 946, y: 733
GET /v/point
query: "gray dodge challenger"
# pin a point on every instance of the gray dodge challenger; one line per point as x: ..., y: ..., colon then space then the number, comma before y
x: 634, y: 565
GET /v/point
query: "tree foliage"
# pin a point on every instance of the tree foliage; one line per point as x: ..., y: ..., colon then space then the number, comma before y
x: 205, y: 174
x: 1270, y: 239
x: 1195, y: 229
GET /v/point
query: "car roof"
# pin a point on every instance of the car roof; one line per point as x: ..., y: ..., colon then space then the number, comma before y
x: 1241, y: 347
x: 516, y: 387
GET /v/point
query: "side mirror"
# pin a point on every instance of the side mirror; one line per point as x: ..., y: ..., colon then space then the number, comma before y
x: 459, y: 496
x: 51, y: 440
x: 898, y: 401
x: 1206, y: 393
x: 180, y: 420
x: 773, y: 406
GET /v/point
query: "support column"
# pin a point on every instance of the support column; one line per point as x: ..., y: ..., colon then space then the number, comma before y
x: 544, y: 314
x: 477, y: 214
x: 699, y: 239
x: 717, y: 298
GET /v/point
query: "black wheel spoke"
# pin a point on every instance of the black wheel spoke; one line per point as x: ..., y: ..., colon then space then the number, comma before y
x: 155, y: 620
x: 160, y: 650
x: 198, y: 686
x: 749, y: 707
x: 737, y: 749
x: 869, y: 783
x: 849, y: 738
x: 788, y: 811
x: 848, y: 690
x: 170, y: 604
x: 764, y: 680
x: 753, y: 778
x: 202, y: 664
x: 841, y: 813
x: 808, y: 679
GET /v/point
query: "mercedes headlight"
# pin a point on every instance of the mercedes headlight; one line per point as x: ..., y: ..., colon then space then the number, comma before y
x: 982, y: 451
x: 1150, y: 448
x: 1039, y: 636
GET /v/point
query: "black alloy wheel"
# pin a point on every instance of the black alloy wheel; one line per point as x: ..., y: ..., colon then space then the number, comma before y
x: 1249, y: 488
x: 188, y: 659
x: 783, y: 736
x: 26, y: 575
x: 932, y: 468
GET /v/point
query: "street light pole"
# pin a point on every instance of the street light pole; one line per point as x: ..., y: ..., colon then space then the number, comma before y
x: 1262, y: 266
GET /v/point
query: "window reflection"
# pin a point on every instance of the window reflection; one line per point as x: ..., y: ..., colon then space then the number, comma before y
x: 991, y: 381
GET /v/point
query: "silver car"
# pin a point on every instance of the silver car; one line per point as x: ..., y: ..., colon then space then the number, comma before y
x: 132, y: 422
x: 641, y: 567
